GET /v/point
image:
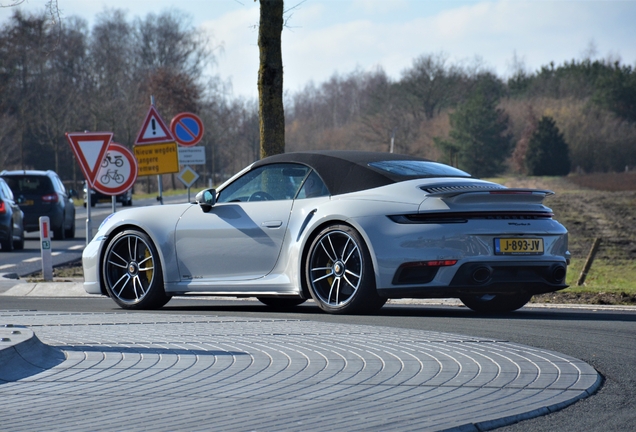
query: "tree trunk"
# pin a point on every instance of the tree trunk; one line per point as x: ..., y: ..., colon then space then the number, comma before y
x: 270, y: 79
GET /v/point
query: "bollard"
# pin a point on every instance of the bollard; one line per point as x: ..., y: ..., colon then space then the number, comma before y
x: 45, y: 248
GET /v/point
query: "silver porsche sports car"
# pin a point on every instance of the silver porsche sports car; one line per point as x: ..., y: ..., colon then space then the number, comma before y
x: 347, y: 229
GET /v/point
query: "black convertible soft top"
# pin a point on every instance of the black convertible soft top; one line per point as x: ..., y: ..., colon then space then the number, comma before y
x: 345, y: 171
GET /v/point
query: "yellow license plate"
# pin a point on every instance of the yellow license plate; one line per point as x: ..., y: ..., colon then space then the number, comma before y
x: 518, y: 246
x: 28, y: 202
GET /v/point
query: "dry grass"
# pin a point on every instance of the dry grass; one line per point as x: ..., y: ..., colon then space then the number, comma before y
x: 611, y: 182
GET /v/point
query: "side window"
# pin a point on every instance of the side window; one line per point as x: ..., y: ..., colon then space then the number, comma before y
x: 313, y: 187
x: 270, y: 182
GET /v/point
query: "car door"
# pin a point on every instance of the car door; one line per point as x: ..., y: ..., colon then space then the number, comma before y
x: 240, y: 238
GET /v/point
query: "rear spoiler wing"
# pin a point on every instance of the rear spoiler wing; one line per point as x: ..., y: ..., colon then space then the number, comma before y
x: 492, y: 194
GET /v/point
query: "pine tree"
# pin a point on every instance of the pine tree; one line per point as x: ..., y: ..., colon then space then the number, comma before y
x: 479, y: 136
x: 547, y: 152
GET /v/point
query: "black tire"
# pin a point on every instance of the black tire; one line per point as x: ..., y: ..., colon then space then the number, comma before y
x: 59, y: 233
x: 7, y: 244
x: 19, y: 244
x: 281, y: 303
x: 495, y: 303
x: 70, y: 233
x: 132, y: 271
x: 339, y: 272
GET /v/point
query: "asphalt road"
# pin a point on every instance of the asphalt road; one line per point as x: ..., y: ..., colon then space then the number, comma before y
x: 27, y: 261
x: 604, y: 339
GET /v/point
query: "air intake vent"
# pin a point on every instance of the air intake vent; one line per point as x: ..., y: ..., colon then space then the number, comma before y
x: 460, y: 188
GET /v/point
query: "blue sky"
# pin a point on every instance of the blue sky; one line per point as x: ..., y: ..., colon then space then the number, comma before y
x: 323, y: 37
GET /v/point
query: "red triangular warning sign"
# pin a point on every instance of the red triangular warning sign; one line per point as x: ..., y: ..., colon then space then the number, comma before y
x: 154, y: 129
x: 89, y: 149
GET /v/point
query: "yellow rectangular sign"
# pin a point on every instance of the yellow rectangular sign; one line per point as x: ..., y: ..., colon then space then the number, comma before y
x: 157, y: 158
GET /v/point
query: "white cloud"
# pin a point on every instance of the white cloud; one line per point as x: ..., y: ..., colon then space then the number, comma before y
x: 325, y: 36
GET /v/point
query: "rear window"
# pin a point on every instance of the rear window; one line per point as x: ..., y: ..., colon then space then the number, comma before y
x: 29, y: 184
x: 411, y: 168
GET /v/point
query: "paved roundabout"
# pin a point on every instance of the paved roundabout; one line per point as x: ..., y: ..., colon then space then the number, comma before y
x: 148, y: 371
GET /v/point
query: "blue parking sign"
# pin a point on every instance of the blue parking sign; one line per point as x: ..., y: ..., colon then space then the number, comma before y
x: 187, y: 129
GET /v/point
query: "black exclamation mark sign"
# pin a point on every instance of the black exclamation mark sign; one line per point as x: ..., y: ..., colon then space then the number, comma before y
x: 154, y: 126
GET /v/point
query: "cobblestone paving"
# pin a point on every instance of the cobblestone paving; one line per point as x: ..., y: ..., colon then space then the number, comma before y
x: 163, y: 372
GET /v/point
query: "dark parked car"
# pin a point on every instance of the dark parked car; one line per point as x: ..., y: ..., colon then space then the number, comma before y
x: 11, y: 220
x: 41, y: 193
x: 125, y: 199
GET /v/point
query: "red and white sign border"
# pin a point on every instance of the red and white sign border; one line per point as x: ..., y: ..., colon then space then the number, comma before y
x: 74, y: 138
x: 160, y: 124
x: 129, y: 182
x: 177, y: 120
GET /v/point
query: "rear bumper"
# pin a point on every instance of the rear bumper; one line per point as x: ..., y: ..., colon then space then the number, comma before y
x: 32, y: 221
x: 508, y: 277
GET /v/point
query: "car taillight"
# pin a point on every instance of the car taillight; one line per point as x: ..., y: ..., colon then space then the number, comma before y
x: 52, y: 198
x: 437, y: 263
x: 3, y: 208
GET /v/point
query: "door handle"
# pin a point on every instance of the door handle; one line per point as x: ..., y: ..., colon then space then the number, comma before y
x: 272, y: 224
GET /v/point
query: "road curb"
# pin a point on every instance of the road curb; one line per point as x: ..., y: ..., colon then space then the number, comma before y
x: 47, y: 289
x: 22, y: 354
x: 19, y: 288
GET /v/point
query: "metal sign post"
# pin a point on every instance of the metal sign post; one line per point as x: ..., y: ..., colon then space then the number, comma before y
x: 89, y: 222
x: 45, y: 248
x: 160, y: 189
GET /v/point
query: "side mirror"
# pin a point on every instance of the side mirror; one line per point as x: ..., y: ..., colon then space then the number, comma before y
x: 206, y: 199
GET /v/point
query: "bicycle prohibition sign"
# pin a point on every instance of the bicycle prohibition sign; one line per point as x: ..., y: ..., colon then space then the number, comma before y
x: 118, y: 171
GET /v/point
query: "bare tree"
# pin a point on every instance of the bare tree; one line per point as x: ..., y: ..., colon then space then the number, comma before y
x: 60, y: 100
x: 113, y: 92
x: 270, y: 78
x: 23, y: 45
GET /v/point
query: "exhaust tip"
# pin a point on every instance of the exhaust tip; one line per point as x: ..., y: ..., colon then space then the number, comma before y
x: 558, y: 274
x: 482, y: 274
